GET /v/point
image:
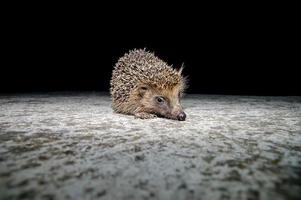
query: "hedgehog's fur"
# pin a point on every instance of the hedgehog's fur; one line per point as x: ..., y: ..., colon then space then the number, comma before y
x: 140, y: 68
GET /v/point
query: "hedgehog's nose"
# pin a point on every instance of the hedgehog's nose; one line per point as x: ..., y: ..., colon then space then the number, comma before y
x: 181, y: 116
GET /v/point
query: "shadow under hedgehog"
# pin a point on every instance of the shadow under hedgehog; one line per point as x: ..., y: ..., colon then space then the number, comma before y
x: 145, y: 86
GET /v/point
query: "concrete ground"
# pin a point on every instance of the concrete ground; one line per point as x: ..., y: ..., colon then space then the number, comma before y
x: 72, y: 146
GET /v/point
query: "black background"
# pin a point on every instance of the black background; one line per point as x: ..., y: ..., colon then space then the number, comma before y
x: 224, y: 52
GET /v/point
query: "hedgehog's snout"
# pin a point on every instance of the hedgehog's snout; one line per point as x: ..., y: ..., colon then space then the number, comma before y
x: 181, y: 116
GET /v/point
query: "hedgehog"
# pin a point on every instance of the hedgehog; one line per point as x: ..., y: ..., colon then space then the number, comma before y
x: 145, y: 86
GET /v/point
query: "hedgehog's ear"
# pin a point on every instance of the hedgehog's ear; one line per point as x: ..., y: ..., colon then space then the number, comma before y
x: 142, y: 89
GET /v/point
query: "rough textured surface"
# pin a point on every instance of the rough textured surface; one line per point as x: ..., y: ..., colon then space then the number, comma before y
x: 72, y: 146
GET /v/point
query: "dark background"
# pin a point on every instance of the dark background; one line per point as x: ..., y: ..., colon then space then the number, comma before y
x: 245, y: 53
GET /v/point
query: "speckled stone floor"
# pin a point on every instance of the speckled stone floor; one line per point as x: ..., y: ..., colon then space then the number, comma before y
x: 72, y: 146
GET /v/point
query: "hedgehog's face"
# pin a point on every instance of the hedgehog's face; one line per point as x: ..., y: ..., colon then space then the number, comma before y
x: 163, y: 103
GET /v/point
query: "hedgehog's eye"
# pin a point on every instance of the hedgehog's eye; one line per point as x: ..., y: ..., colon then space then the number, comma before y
x: 160, y: 100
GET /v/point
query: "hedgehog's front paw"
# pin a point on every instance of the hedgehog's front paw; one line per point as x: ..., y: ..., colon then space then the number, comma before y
x: 144, y: 115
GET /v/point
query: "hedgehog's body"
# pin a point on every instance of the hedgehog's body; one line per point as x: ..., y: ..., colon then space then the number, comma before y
x: 145, y: 86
